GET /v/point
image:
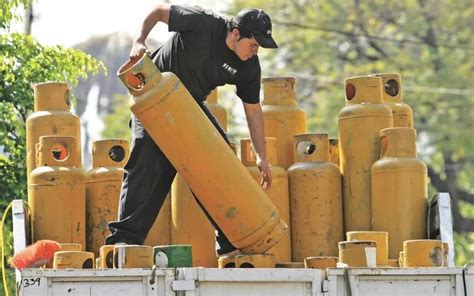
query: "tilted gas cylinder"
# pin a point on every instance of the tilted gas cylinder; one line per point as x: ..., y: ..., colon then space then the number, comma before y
x: 57, y: 192
x: 219, y: 112
x: 399, y: 189
x: 103, y: 185
x: 315, y: 199
x: 283, y: 118
x: 393, y: 97
x: 189, y: 223
x: 51, y: 117
x: 199, y: 153
x: 278, y: 191
x: 359, y: 145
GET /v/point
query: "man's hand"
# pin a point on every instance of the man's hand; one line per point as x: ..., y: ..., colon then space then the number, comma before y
x: 266, y: 173
x: 138, y: 50
x: 254, y: 116
x: 160, y: 13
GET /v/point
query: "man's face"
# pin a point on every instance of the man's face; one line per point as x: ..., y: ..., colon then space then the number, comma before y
x: 246, y: 48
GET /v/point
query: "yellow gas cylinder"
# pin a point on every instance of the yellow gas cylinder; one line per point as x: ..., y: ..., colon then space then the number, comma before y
x: 70, y: 247
x: 423, y: 253
x: 320, y: 262
x: 334, y: 151
x: 103, y: 185
x: 210, y: 168
x: 133, y: 256
x: 315, y: 199
x: 57, y: 192
x: 106, y: 256
x: 51, y: 118
x: 380, y: 238
x: 255, y: 261
x: 282, y: 116
x: 356, y: 253
x: 160, y: 231
x: 226, y: 262
x: 393, y: 263
x: 399, y: 189
x: 393, y: 97
x: 289, y: 265
x: 278, y: 192
x: 191, y: 226
x: 189, y: 223
x: 65, y: 247
x: 217, y: 109
x: 73, y: 259
x: 359, y: 124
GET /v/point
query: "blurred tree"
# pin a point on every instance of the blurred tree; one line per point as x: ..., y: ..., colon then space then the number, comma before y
x: 116, y: 123
x: 428, y: 42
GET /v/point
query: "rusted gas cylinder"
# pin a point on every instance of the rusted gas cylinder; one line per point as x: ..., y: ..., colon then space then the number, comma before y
x: 399, y: 189
x: 217, y: 109
x: 315, y: 199
x: 133, y: 256
x: 51, y: 118
x: 289, y: 265
x: 160, y: 231
x: 103, y: 185
x: 283, y: 118
x: 189, y: 223
x: 423, y: 253
x: 356, y: 253
x: 106, y: 256
x: 321, y: 262
x: 226, y: 262
x: 278, y: 192
x: 65, y: 247
x: 208, y: 165
x: 255, y: 261
x: 73, y: 259
x: 379, y: 237
x: 57, y: 192
x: 359, y: 124
x: 393, y: 97
x: 191, y: 226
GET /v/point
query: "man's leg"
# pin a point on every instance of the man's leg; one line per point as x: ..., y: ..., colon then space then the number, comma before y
x: 146, y: 183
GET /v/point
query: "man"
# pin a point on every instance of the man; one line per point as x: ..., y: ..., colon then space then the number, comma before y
x: 206, y: 51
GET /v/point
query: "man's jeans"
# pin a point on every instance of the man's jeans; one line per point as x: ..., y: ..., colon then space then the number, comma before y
x: 146, y: 183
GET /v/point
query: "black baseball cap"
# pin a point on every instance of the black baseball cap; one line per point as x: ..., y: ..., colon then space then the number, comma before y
x: 258, y: 23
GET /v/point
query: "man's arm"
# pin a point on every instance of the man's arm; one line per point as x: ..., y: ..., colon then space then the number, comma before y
x: 160, y: 13
x: 254, y: 115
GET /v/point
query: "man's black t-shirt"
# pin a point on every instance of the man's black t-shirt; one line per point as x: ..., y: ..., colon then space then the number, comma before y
x: 198, y: 54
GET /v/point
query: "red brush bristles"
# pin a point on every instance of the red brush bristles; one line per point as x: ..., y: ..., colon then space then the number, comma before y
x: 36, y: 254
